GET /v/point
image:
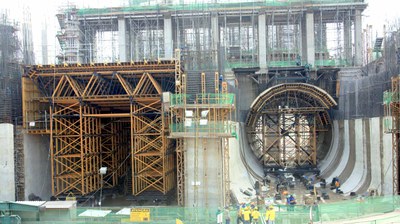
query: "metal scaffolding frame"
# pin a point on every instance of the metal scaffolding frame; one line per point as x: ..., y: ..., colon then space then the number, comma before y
x: 215, y: 36
x: 100, y: 115
x: 10, y: 86
x: 194, y: 33
x: 212, y: 116
x: 284, y: 122
x: 392, y: 125
x: 146, y: 37
x: 284, y: 37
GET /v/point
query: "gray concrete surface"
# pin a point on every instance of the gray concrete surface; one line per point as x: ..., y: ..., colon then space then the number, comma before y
x: 361, y: 163
x: 246, y: 92
x: 7, y: 182
x: 240, y: 178
x: 386, y: 168
x: 342, y: 155
x: 359, y: 167
x: 204, y: 188
x: 37, y: 166
x: 333, y: 153
x: 365, y: 163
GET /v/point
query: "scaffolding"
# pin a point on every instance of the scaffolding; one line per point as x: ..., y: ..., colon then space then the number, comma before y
x: 284, y: 123
x: 103, y: 115
x: 213, y: 36
x: 391, y: 102
x: 202, y: 117
x: 10, y: 85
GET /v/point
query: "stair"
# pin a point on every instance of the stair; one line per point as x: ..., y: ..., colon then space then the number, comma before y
x: 350, y: 72
x: 128, y: 183
x: 378, y: 44
x: 193, y: 82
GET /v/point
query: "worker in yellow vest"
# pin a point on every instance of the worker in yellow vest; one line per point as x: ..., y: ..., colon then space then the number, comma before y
x: 255, y: 215
x: 246, y: 215
x: 270, y: 215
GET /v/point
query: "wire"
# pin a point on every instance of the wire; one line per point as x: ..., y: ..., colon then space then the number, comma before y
x: 384, y: 175
x: 123, y: 162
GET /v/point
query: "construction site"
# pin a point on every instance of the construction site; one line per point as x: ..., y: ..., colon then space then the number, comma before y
x: 196, y: 112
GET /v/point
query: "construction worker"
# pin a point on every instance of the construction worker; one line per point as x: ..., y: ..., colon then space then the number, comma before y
x: 227, y: 215
x: 255, y: 215
x: 290, y: 201
x: 270, y: 215
x: 246, y: 215
x: 252, y: 206
x: 337, y: 185
x: 219, y: 216
x: 240, y: 214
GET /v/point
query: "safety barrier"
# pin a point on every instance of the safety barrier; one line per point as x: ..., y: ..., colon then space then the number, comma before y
x: 352, y: 209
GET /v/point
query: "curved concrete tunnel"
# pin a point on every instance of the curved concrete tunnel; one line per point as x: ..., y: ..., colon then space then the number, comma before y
x: 358, y: 151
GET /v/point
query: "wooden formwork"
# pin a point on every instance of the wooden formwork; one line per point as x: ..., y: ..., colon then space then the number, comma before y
x: 284, y: 122
x: 103, y: 115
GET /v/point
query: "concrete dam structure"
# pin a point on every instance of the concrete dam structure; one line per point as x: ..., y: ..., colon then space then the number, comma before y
x: 192, y: 104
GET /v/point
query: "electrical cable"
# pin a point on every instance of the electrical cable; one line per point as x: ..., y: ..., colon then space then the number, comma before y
x: 123, y: 162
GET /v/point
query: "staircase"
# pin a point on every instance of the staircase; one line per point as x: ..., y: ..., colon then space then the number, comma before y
x: 350, y: 72
x: 378, y: 44
x: 193, y: 82
x: 128, y: 183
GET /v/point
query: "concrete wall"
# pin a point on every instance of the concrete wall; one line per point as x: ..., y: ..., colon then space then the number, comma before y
x: 243, y: 164
x: 208, y: 183
x: 361, y: 158
x: 246, y: 91
x: 37, y: 166
x: 7, y: 188
x: 361, y: 93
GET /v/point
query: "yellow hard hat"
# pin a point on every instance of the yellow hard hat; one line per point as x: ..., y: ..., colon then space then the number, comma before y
x: 271, y: 207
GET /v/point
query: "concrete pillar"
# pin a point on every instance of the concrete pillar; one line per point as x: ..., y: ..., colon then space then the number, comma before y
x: 168, y: 43
x: 44, y: 46
x: 137, y: 48
x: 308, y: 39
x: 7, y: 189
x: 215, y: 38
x: 204, y: 183
x: 122, y: 39
x: 37, y: 167
x: 262, y: 41
x: 320, y: 38
x: 358, y: 39
x: 348, y: 51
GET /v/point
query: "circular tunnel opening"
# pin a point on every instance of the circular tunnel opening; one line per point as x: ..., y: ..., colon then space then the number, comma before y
x: 288, y: 124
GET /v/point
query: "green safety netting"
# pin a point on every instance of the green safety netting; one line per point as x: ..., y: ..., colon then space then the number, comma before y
x: 207, y: 98
x: 387, y: 97
x: 210, y: 127
x: 372, y: 207
x: 387, y: 123
x: 146, y: 5
x: 235, y: 64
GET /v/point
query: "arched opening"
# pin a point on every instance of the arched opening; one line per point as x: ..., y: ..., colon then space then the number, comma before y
x: 286, y: 123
